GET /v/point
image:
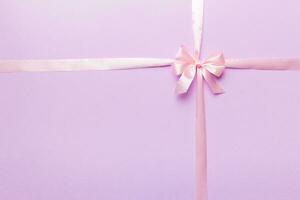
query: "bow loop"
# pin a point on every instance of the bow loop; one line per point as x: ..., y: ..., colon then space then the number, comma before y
x: 215, y: 64
x: 186, y: 66
x: 183, y: 60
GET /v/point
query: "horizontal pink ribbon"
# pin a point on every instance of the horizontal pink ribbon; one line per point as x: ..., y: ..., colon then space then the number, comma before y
x: 264, y: 63
x: 136, y: 63
x: 81, y: 64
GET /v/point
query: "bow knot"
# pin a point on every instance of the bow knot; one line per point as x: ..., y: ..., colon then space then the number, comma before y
x: 186, y: 66
x: 198, y: 65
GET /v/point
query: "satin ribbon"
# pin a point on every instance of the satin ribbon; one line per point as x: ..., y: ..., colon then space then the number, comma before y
x: 188, y: 66
x: 82, y: 64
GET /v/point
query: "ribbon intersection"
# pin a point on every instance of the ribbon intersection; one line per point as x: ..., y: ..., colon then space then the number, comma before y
x: 186, y: 65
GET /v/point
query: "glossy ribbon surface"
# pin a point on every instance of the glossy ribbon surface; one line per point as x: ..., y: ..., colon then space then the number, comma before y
x: 186, y: 66
x: 82, y: 64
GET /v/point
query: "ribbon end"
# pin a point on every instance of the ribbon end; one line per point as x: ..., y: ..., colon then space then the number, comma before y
x: 219, y: 91
x: 185, y: 80
x: 211, y: 82
x: 216, y: 89
x: 179, y: 90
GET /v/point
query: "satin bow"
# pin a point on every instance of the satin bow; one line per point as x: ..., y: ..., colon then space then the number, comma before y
x: 186, y: 66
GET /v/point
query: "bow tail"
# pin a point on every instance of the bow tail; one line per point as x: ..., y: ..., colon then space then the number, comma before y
x: 185, y: 80
x: 210, y: 80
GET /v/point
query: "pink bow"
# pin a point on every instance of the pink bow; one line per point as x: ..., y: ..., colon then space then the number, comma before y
x: 186, y: 65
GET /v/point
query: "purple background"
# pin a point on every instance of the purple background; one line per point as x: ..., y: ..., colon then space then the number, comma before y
x: 124, y: 134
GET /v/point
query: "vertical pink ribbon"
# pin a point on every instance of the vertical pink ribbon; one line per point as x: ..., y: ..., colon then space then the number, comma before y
x: 200, y: 135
